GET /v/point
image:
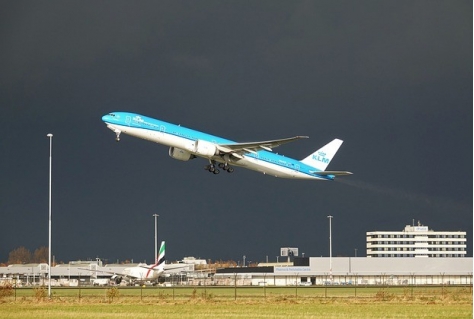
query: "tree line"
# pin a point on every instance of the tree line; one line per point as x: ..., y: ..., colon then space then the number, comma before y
x: 22, y: 255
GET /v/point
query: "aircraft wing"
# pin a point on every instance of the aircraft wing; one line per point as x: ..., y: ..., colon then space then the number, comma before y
x: 238, y: 149
x: 164, y: 270
x: 117, y: 273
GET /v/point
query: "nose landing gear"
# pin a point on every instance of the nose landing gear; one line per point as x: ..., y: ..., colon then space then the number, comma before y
x: 117, y: 133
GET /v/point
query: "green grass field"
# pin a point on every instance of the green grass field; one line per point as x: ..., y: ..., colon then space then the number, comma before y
x: 243, y: 302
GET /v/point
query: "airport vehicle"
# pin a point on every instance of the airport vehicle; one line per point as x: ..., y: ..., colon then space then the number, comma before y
x: 100, y: 281
x: 186, y: 144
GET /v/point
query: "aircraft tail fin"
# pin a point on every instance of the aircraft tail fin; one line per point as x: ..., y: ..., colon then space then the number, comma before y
x: 159, y: 265
x: 160, y: 259
x: 322, y: 157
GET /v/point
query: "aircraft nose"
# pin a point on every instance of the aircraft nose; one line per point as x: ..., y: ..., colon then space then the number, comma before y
x: 106, y: 118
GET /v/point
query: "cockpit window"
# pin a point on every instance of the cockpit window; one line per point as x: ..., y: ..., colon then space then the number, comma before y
x: 111, y: 114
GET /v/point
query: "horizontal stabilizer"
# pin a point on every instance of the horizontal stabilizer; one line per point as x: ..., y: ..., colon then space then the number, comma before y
x: 335, y: 173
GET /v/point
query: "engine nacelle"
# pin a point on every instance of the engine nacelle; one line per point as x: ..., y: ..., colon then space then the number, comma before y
x: 205, y: 148
x: 116, y: 279
x: 180, y: 154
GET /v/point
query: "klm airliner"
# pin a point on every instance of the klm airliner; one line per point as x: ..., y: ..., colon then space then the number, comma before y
x: 186, y: 144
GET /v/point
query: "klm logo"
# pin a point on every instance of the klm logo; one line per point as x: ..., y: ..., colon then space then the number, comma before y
x: 320, y: 157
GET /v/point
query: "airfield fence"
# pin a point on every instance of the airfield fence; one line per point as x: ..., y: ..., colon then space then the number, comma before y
x: 430, y: 293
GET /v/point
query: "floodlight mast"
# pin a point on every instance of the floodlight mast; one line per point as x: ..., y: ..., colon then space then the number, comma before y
x: 156, y: 237
x: 330, y: 248
x: 49, y: 219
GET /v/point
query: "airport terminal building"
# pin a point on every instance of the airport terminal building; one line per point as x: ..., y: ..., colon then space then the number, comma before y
x: 416, y: 241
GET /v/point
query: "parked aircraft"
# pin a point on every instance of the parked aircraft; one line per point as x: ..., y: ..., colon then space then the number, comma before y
x: 186, y: 144
x: 144, y: 272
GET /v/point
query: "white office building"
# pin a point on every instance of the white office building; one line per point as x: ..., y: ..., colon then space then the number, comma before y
x: 416, y: 241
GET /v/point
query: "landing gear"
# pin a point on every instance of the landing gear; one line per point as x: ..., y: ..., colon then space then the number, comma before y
x: 117, y: 133
x: 212, y: 168
x: 226, y: 167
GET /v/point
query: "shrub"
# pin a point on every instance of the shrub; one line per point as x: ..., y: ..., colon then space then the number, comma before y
x: 112, y: 293
x: 40, y: 293
x: 6, y: 290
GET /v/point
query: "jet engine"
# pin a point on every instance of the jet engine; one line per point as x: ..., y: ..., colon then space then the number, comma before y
x: 117, y: 279
x: 180, y: 154
x: 205, y: 148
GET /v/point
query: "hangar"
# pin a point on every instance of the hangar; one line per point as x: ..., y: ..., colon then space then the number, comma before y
x: 354, y: 271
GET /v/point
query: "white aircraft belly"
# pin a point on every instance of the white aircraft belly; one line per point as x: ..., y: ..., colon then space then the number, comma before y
x: 273, y: 169
x: 153, y: 136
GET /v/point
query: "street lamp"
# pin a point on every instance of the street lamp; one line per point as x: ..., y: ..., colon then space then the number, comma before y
x: 330, y: 248
x: 156, y: 237
x: 49, y: 236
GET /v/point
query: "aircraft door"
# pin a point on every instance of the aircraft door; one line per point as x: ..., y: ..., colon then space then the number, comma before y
x: 128, y: 120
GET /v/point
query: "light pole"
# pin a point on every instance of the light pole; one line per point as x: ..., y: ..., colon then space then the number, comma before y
x: 49, y: 232
x: 330, y: 248
x: 156, y: 236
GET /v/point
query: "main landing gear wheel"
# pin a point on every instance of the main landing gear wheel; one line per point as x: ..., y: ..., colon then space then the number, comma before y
x: 226, y: 167
x: 212, y: 168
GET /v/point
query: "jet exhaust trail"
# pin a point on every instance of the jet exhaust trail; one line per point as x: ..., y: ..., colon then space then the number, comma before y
x: 434, y: 202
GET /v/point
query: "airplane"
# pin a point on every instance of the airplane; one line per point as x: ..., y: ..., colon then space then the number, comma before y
x: 144, y: 272
x: 186, y: 144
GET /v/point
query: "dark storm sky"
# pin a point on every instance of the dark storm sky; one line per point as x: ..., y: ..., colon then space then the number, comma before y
x: 393, y: 79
